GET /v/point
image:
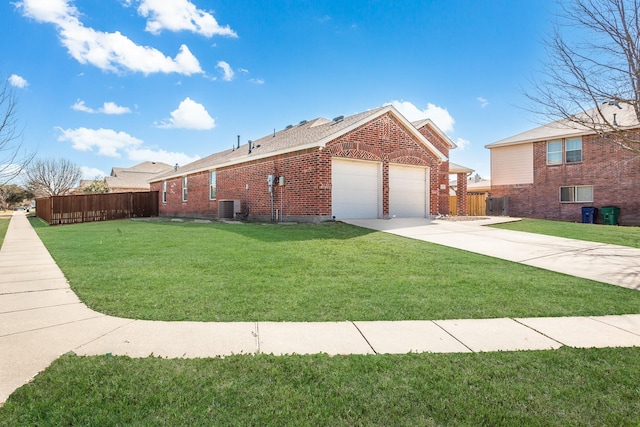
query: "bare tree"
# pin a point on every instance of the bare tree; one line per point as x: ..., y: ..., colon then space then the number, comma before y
x: 592, y: 77
x: 13, y: 157
x: 52, y: 177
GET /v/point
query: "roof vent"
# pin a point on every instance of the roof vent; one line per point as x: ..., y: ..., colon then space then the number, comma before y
x: 288, y: 127
x: 338, y: 119
x: 303, y: 122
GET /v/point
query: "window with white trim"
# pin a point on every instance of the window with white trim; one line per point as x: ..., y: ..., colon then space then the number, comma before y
x: 212, y: 185
x: 576, y: 194
x: 164, y: 191
x: 573, y: 150
x: 554, y: 152
x: 184, y: 188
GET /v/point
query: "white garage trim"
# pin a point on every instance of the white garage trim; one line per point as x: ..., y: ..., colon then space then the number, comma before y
x: 356, y: 188
x: 408, y: 191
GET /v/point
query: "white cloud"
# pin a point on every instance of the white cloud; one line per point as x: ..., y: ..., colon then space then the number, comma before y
x: 114, y: 109
x: 18, y: 81
x: 227, y: 72
x: 483, y: 102
x: 257, y: 81
x: 168, y: 157
x: 108, y: 142
x: 180, y: 15
x: 107, y: 108
x: 91, y: 173
x: 80, y: 106
x: 462, y: 143
x: 440, y: 116
x: 189, y: 115
x: 107, y: 51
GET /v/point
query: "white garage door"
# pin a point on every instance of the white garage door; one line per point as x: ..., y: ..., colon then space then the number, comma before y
x: 355, y: 189
x: 408, y: 191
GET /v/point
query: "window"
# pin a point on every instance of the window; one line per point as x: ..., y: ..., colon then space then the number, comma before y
x: 184, y: 188
x: 576, y: 194
x: 164, y: 191
x: 212, y: 185
x: 573, y: 150
x: 554, y: 152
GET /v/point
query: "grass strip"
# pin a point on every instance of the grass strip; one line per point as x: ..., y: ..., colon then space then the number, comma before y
x: 566, y: 387
x: 330, y: 272
x: 4, y: 224
x: 623, y: 236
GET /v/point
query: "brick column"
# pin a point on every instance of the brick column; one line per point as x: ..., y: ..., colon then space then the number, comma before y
x: 461, y: 193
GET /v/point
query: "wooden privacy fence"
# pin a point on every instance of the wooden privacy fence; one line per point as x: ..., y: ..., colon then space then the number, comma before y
x: 475, y: 205
x: 97, y: 207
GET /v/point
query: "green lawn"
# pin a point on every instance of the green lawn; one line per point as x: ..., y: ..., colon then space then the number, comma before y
x: 4, y: 224
x: 329, y: 272
x: 624, y: 236
x: 566, y: 387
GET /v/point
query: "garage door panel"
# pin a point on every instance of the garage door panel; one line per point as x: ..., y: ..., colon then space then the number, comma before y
x: 408, y: 191
x: 355, y: 189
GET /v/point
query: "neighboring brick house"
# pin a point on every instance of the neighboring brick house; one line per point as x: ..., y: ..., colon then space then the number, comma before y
x: 552, y: 171
x: 374, y: 164
x: 135, y: 178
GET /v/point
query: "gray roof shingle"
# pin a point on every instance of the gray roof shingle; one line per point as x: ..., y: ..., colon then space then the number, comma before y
x: 306, y: 134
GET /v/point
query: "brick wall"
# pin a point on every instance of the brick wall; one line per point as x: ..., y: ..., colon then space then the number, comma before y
x: 613, y: 172
x: 306, y: 195
x: 441, y: 176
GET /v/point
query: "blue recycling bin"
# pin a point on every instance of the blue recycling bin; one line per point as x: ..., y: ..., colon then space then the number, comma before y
x: 589, y: 215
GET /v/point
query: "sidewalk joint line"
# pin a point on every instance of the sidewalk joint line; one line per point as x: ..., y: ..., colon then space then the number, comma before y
x: 34, y: 291
x: 609, y: 324
x: 451, y: 335
x: 362, y: 335
x: 538, y: 332
x: 52, y: 326
x: 106, y: 333
x: 40, y: 308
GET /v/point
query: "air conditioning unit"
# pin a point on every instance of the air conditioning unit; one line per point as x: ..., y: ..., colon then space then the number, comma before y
x: 228, y: 209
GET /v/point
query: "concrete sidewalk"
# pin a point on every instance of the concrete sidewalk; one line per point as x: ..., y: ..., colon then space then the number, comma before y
x: 41, y: 319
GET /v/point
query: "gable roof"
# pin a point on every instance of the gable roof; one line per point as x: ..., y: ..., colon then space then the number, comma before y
x: 428, y: 122
x: 135, y: 177
x: 624, y: 115
x: 307, y: 134
x: 144, y: 167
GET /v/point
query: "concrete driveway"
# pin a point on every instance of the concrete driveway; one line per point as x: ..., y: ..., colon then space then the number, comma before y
x: 616, y: 265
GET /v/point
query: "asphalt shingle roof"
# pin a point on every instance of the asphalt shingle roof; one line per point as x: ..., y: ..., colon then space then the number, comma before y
x: 625, y: 117
x: 306, y: 134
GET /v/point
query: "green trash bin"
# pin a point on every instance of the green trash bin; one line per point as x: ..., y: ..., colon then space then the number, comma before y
x: 610, y: 215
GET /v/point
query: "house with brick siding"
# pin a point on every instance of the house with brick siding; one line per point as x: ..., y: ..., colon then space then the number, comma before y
x: 553, y: 171
x: 374, y: 164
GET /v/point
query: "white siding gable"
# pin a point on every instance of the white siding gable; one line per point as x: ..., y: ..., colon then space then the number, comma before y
x: 512, y: 164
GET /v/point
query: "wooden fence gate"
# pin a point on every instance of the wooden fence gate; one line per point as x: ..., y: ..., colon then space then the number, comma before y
x: 498, y: 206
x: 475, y: 205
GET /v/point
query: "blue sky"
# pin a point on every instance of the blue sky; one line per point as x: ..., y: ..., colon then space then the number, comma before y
x: 112, y: 83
